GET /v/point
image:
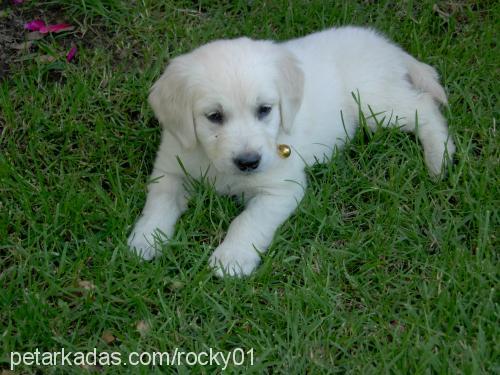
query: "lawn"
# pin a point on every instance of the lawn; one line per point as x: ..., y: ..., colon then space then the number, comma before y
x: 380, y: 270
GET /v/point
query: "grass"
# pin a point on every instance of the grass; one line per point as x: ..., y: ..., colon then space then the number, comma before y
x: 380, y: 270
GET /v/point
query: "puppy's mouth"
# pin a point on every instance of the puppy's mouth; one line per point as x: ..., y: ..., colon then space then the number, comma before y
x: 248, y: 172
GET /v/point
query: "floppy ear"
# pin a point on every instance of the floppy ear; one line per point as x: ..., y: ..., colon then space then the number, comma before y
x: 291, y: 88
x: 171, y: 101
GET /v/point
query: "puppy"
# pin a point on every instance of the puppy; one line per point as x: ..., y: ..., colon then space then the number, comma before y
x: 226, y: 106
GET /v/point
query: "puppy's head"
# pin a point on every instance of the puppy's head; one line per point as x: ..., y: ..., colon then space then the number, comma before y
x: 232, y: 98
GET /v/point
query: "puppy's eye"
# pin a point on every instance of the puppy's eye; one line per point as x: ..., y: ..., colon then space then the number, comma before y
x: 263, y: 111
x: 215, y: 117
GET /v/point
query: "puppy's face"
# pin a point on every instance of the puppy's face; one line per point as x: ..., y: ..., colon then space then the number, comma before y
x: 237, y: 124
x: 232, y: 98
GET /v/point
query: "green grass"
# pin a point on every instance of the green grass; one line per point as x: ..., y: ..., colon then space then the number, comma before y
x: 380, y: 270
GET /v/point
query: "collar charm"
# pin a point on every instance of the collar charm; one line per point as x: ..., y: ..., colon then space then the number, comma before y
x: 284, y: 151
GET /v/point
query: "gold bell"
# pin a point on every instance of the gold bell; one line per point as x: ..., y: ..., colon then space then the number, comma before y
x: 284, y: 151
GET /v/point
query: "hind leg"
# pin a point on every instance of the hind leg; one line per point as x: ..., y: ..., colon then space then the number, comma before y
x: 430, y: 126
x: 419, y: 113
x: 436, y: 141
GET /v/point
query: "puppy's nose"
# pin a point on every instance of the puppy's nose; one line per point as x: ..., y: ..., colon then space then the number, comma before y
x: 248, y: 161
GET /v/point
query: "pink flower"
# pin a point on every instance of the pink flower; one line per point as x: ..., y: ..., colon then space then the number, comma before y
x: 39, y: 25
x: 34, y: 25
x: 55, y: 28
x: 17, y: 2
x: 71, y: 54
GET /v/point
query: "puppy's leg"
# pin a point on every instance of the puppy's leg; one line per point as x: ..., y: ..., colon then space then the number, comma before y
x: 253, y: 230
x: 430, y: 126
x: 437, y: 142
x: 418, y: 113
x: 165, y: 202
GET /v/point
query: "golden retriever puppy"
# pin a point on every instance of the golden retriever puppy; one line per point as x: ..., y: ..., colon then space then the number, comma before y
x: 233, y: 109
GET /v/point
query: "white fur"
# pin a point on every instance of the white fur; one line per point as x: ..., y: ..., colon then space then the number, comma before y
x: 309, y: 84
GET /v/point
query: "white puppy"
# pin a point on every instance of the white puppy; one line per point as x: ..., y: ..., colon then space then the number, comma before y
x: 227, y: 105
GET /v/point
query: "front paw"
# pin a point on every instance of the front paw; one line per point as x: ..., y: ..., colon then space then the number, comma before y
x: 146, y: 238
x: 142, y: 246
x: 234, y: 260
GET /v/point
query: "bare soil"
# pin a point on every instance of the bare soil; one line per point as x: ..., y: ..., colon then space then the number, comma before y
x: 16, y: 43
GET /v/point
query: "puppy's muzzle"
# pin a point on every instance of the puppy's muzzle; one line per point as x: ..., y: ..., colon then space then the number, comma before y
x: 248, y: 161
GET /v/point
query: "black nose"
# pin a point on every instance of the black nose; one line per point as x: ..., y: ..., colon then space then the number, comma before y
x: 247, y: 161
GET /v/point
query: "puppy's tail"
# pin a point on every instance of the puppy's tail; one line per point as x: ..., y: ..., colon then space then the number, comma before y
x: 425, y: 78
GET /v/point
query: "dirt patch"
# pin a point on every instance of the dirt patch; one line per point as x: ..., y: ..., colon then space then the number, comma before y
x: 16, y: 43
x: 11, y: 34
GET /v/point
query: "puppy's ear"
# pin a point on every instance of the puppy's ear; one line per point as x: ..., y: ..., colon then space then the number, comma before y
x: 291, y: 88
x: 171, y: 101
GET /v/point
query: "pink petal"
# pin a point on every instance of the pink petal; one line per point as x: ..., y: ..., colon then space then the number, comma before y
x: 17, y: 2
x: 56, y: 28
x: 34, y: 25
x: 71, y: 54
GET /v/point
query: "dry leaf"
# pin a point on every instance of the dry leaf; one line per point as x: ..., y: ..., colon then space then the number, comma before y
x: 247, y: 327
x: 34, y: 35
x: 87, y: 285
x: 108, y: 337
x: 440, y: 12
x: 142, y: 327
x: 398, y: 325
x: 46, y: 58
x: 176, y: 285
x: 22, y: 46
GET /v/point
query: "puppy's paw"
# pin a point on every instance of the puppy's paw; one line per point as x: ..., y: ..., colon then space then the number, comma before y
x: 438, y: 157
x: 139, y: 244
x: 234, y: 261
